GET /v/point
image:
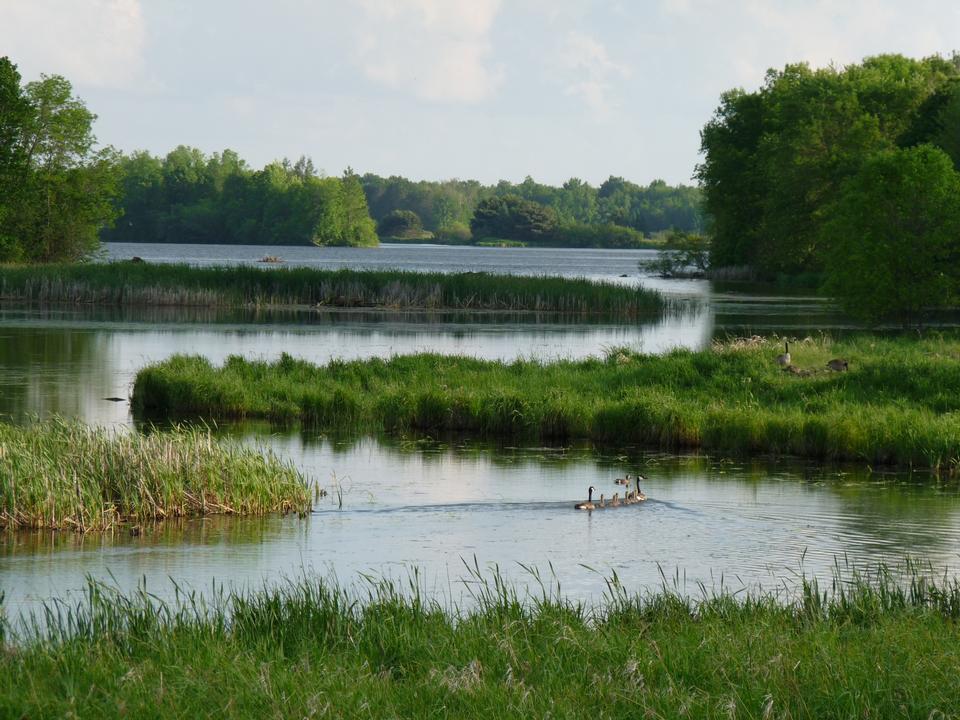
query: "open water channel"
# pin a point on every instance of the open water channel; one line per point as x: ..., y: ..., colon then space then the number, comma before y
x: 431, y: 505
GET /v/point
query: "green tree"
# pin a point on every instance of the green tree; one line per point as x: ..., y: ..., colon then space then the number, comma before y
x: 510, y: 217
x: 894, y: 236
x: 400, y: 224
x: 63, y: 191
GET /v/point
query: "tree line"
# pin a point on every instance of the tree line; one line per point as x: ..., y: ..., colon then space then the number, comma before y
x: 618, y: 212
x: 189, y: 197
x: 849, y: 173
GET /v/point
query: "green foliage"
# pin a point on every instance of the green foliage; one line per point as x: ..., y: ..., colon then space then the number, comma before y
x: 575, y: 204
x: 64, y: 475
x: 56, y: 191
x: 165, y: 284
x: 899, y: 403
x: 400, y: 223
x: 685, y: 255
x: 870, y: 646
x: 775, y: 159
x: 513, y: 218
x: 192, y: 198
x: 894, y: 236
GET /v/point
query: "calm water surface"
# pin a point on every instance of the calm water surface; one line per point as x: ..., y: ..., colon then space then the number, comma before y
x: 433, y: 506
x: 429, y: 505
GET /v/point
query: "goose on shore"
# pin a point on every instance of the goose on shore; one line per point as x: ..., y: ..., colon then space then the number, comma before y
x: 588, y: 505
x: 838, y: 365
x: 783, y: 360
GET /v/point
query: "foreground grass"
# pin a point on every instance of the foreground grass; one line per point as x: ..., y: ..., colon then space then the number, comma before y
x: 869, y: 648
x: 60, y: 474
x: 899, y: 404
x: 126, y: 283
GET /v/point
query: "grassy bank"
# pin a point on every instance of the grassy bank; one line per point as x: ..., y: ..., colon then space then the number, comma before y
x: 128, y: 283
x: 865, y: 649
x: 60, y: 474
x: 898, y: 404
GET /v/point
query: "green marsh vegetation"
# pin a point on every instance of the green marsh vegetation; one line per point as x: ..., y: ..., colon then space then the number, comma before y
x: 899, y: 403
x: 126, y: 283
x: 60, y: 474
x: 866, y: 646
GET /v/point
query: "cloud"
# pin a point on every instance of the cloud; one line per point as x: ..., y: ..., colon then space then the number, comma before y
x: 435, y: 49
x: 592, y: 71
x: 98, y: 43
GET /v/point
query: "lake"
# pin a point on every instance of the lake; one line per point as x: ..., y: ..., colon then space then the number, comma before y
x: 431, y: 505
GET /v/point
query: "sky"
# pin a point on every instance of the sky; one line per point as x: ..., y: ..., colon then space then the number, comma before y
x: 437, y: 89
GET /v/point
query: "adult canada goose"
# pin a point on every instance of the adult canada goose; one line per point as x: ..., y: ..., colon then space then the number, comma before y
x: 588, y: 505
x: 838, y: 365
x: 623, y: 480
x: 783, y: 360
x: 638, y: 496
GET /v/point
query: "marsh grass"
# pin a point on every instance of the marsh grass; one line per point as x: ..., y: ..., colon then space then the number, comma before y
x: 125, y: 283
x: 65, y: 475
x: 899, y: 404
x: 868, y: 646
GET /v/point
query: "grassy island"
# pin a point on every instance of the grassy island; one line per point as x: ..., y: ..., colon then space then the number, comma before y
x: 899, y: 403
x: 129, y: 283
x: 65, y: 475
x: 308, y: 649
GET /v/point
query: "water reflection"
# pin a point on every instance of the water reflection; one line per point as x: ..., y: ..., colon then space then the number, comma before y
x: 431, y: 504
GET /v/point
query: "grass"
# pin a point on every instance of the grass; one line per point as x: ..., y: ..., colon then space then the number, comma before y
x: 899, y: 404
x: 127, y: 283
x: 65, y: 475
x: 869, y: 647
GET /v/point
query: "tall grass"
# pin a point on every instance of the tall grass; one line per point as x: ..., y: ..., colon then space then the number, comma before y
x: 63, y: 474
x: 871, y: 647
x: 124, y: 283
x: 899, y: 403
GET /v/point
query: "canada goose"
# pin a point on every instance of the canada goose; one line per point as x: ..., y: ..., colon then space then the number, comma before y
x: 623, y: 480
x: 784, y: 359
x: 638, y: 496
x: 616, y: 500
x: 838, y: 365
x: 588, y: 505
x: 603, y: 503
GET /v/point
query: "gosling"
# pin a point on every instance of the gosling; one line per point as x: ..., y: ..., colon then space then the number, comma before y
x: 588, y: 505
x: 616, y: 500
x: 838, y: 365
x: 783, y: 360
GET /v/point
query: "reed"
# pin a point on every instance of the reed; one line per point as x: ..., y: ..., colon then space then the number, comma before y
x: 65, y: 475
x: 899, y: 404
x: 126, y: 283
x: 868, y: 647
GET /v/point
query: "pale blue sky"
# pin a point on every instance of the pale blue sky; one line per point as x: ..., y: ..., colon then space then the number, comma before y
x: 484, y: 89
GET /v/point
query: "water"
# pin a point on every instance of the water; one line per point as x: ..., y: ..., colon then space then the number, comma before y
x: 436, y: 505
x: 428, y: 505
